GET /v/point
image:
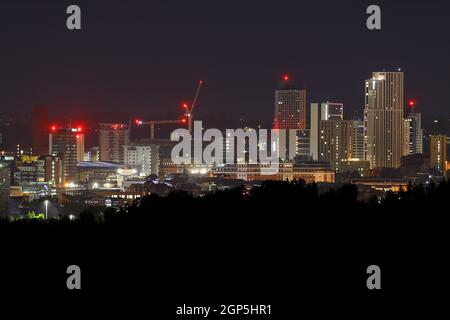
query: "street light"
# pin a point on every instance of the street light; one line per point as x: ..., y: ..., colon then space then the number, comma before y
x: 46, y: 209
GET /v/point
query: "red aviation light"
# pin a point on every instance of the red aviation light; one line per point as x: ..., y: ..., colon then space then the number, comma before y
x: 286, y: 77
x: 412, y: 103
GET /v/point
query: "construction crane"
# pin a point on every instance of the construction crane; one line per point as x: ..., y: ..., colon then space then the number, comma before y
x: 153, y: 123
x: 190, y: 111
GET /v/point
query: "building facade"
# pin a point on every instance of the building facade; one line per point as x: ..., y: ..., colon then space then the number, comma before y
x: 414, y: 131
x: 67, y: 143
x: 111, y: 139
x: 290, y: 108
x: 143, y: 157
x: 383, y: 116
x: 358, y: 140
x: 336, y: 142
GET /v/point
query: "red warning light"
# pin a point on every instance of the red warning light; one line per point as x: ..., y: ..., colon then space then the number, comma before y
x: 183, y: 120
x: 138, y: 122
x: 285, y: 77
x: 412, y: 103
x: 53, y: 128
x: 184, y: 106
x: 79, y: 129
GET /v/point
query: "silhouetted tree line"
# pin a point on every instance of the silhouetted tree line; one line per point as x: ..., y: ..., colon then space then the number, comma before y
x: 271, y: 199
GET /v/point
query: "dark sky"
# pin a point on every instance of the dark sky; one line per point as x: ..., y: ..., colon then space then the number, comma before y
x: 144, y: 57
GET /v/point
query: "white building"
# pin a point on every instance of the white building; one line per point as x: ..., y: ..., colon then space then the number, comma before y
x: 143, y: 157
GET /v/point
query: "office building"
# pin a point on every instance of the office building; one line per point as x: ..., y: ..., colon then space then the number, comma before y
x: 318, y: 113
x: 143, y: 157
x: 358, y: 140
x: 112, y: 137
x: 290, y: 107
x: 415, y: 133
x: 67, y: 143
x: 336, y: 142
x: 383, y: 116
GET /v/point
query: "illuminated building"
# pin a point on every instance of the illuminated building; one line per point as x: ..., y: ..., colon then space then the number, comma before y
x: 290, y: 106
x: 336, y: 142
x: 53, y: 168
x: 111, y: 139
x: 413, y: 133
x: 438, y: 152
x: 99, y: 174
x: 4, y: 188
x: 142, y: 156
x: 323, y: 112
x: 39, y: 128
x: 26, y: 172
x: 384, y: 119
x: 307, y: 170
x: 69, y: 144
x: 92, y: 154
x: 358, y: 140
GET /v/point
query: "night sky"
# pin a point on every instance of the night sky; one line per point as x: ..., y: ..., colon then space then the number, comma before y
x: 142, y: 58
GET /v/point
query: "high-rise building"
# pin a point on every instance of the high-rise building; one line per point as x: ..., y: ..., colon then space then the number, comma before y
x: 358, y: 140
x: 383, y: 116
x: 142, y: 156
x: 290, y: 107
x: 438, y: 152
x: 4, y: 188
x: 319, y: 113
x: 67, y: 143
x: 39, y: 128
x: 415, y: 133
x: 336, y: 142
x: 112, y: 137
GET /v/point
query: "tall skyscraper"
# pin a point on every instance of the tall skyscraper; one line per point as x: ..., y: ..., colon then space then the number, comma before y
x: 68, y: 143
x: 112, y: 137
x: 290, y: 106
x: 39, y: 128
x: 336, y: 142
x: 438, y: 153
x: 383, y: 116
